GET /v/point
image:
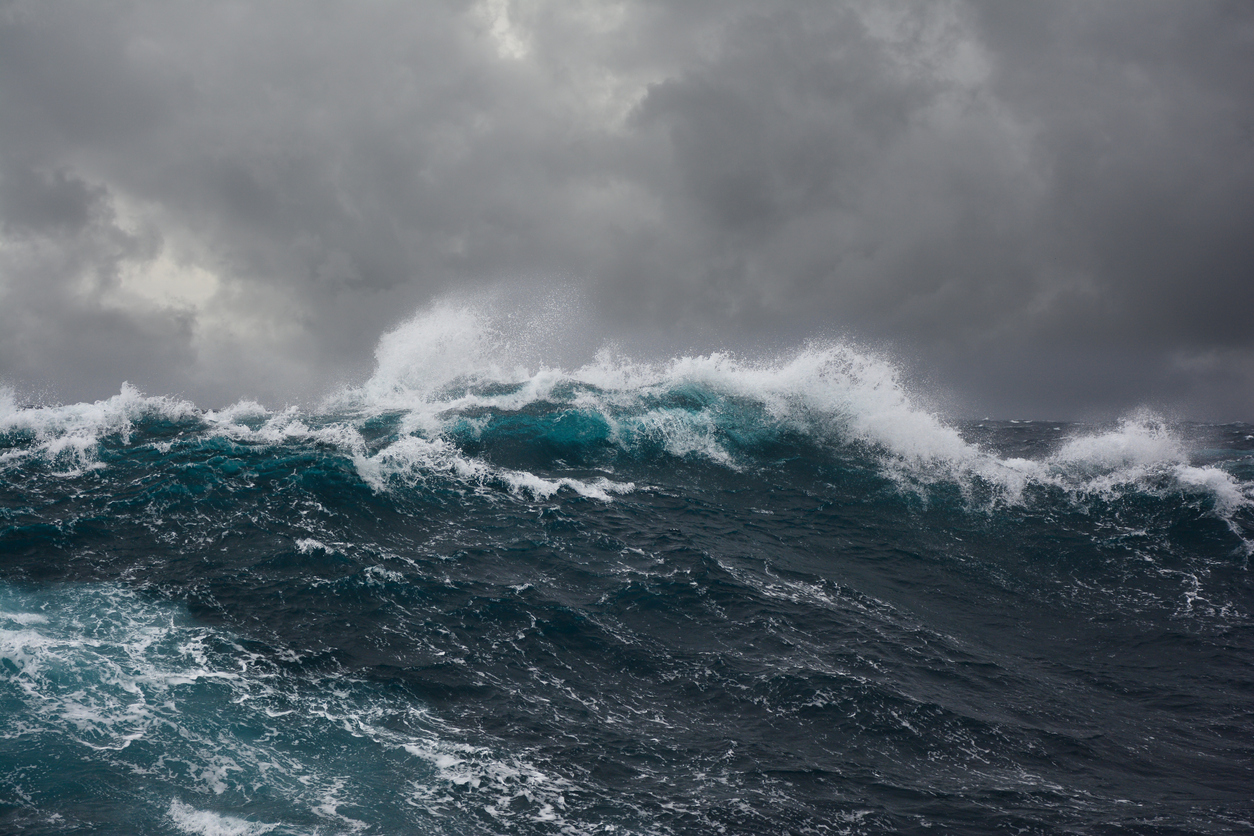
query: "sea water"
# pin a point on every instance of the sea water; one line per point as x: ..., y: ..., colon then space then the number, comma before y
x: 483, y: 593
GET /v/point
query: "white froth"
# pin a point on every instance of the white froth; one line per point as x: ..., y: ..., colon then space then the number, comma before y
x: 24, y: 617
x: 308, y: 545
x: 832, y: 388
x: 236, y: 412
x: 413, y: 460
x: 499, y: 784
x: 1226, y: 491
x: 437, y: 347
x: 1140, y: 440
x: 71, y: 433
x: 207, y: 823
x: 448, y: 359
x: 450, y: 363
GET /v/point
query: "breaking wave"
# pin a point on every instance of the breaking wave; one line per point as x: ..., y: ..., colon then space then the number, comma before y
x: 450, y: 400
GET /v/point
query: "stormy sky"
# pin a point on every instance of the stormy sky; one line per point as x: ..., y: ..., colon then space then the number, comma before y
x: 1042, y: 209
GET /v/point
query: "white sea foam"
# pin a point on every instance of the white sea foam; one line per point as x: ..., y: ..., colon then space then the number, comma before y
x: 830, y: 388
x: 440, y: 364
x: 452, y: 363
x: 71, y: 433
x: 207, y: 823
x: 501, y: 786
x: 308, y: 545
x: 436, y: 365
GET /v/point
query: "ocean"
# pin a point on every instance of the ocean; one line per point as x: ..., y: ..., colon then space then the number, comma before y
x: 483, y: 593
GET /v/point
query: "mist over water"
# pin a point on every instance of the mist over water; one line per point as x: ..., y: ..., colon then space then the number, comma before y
x: 491, y: 588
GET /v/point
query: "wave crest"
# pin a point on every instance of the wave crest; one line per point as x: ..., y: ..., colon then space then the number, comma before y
x: 457, y: 384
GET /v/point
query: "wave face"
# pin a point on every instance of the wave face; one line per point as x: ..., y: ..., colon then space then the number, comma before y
x: 480, y: 593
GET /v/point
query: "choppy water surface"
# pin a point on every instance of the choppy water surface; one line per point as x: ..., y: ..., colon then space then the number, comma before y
x: 698, y: 596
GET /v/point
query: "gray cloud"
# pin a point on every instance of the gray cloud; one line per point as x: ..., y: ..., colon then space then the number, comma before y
x: 1044, y: 207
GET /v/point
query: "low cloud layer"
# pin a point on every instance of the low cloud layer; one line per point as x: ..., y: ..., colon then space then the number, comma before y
x: 1044, y: 209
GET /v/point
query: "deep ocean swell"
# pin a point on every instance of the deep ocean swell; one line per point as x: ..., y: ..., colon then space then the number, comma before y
x: 702, y: 596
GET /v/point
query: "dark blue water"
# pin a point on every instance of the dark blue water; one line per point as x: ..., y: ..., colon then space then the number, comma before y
x: 705, y: 596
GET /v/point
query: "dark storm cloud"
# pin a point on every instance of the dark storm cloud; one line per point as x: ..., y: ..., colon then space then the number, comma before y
x: 1144, y: 131
x: 1045, y: 205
